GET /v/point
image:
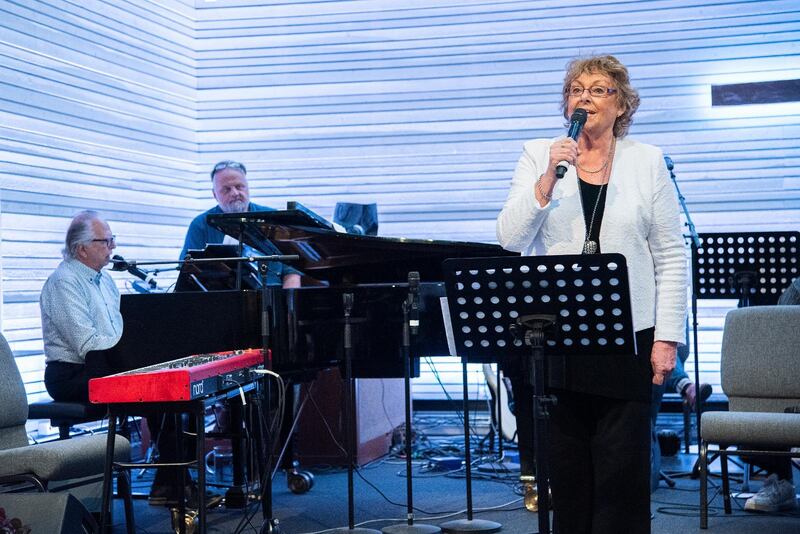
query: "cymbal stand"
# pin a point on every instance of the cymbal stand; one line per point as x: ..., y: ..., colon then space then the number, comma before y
x: 410, y: 328
x: 350, y: 426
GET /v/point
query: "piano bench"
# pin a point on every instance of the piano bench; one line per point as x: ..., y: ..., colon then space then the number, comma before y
x: 65, y: 414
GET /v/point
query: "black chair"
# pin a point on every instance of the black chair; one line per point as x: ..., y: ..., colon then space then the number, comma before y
x: 64, y: 415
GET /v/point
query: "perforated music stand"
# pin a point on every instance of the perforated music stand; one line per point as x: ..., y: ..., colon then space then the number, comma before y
x: 753, y: 267
x: 569, y: 319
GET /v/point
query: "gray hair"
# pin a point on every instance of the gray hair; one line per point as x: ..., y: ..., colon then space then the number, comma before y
x: 80, y: 231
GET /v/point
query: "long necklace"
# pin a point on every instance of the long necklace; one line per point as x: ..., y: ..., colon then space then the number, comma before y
x: 590, y: 246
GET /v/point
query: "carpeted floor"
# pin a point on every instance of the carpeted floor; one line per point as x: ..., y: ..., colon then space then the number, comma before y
x: 441, y: 496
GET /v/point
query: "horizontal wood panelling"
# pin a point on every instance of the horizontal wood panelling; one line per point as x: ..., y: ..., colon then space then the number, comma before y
x: 421, y: 107
x: 97, y: 111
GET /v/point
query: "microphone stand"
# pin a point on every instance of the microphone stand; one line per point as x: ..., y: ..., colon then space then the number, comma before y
x: 270, y: 524
x: 695, y: 244
x: 283, y: 258
x: 350, y: 424
x: 410, y: 328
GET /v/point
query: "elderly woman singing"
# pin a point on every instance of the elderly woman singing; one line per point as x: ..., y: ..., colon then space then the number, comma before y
x: 616, y: 196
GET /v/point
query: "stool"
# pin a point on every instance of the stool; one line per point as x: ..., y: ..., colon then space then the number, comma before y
x: 65, y: 414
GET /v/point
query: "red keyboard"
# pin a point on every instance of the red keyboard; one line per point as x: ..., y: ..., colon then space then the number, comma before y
x: 184, y: 379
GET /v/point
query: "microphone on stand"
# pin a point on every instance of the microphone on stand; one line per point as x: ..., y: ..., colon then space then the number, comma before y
x: 576, y: 122
x: 118, y: 263
x: 413, y: 310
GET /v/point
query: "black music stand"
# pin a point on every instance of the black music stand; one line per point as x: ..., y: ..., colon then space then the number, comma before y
x: 568, y: 317
x: 216, y: 275
x: 753, y: 267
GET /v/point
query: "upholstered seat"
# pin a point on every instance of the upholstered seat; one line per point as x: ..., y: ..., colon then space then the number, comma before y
x: 80, y: 458
x: 761, y: 377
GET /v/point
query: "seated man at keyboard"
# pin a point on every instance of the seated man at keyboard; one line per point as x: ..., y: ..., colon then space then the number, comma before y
x: 79, y: 305
x: 232, y: 193
x: 80, y: 309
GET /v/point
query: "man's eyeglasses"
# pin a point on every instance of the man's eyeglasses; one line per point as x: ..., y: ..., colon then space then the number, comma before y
x: 595, y: 91
x: 227, y: 164
x: 110, y: 242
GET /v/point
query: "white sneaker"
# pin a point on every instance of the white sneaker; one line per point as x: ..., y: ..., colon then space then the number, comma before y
x: 775, y: 495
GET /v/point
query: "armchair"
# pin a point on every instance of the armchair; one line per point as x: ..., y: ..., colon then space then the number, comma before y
x: 761, y: 377
x: 80, y: 458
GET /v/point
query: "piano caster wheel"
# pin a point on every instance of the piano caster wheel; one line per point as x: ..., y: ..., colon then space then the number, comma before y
x: 299, y: 481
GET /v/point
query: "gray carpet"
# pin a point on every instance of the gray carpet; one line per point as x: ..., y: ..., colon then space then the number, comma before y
x: 440, y: 497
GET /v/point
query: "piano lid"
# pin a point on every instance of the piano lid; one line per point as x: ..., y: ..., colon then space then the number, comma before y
x: 341, y: 258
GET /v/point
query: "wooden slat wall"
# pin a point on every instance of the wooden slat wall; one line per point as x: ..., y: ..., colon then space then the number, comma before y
x: 420, y: 106
x: 423, y: 107
x: 97, y: 111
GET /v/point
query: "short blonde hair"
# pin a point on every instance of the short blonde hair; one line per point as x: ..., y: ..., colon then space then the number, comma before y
x: 627, y: 96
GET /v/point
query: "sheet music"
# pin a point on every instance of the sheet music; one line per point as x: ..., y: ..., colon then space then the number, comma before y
x: 448, y: 327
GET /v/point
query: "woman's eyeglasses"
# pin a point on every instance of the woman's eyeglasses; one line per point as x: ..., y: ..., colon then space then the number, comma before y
x: 595, y: 91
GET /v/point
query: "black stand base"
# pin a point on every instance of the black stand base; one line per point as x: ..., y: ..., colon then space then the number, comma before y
x: 236, y: 497
x: 270, y: 526
x: 470, y: 525
x: 411, y: 529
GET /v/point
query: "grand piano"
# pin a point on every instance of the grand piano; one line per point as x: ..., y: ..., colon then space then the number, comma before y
x: 306, y: 324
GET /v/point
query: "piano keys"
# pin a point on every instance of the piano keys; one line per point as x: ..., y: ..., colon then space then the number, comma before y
x: 189, y: 378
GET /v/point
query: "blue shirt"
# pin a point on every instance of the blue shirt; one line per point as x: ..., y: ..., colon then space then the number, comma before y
x: 201, y: 233
x: 80, y: 312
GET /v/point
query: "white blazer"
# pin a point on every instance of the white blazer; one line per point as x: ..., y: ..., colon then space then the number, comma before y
x: 641, y: 221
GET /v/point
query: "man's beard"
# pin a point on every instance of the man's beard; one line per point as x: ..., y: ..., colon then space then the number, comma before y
x: 235, y: 206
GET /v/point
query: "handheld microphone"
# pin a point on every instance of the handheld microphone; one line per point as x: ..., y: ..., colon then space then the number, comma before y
x: 118, y: 263
x: 576, y: 122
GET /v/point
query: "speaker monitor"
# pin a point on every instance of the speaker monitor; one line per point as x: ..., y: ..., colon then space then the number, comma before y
x: 54, y: 513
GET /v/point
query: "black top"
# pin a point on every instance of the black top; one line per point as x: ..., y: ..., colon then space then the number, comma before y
x: 589, y: 194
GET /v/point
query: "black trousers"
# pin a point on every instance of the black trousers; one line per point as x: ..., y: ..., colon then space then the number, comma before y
x: 67, y: 382
x: 599, y: 458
